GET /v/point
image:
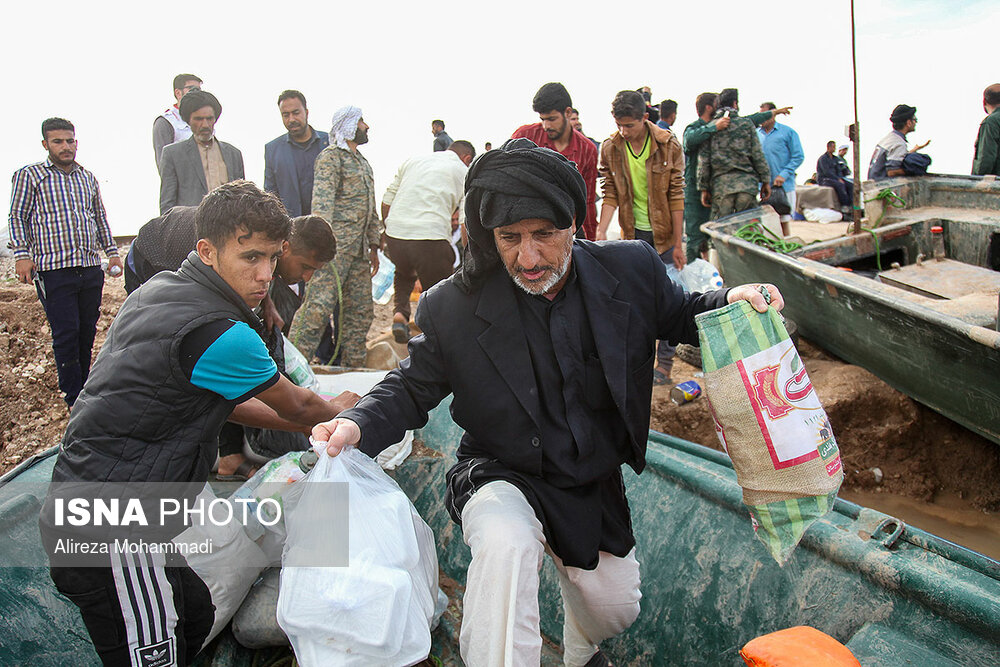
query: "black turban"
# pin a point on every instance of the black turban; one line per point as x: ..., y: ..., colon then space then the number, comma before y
x: 516, y: 182
x: 902, y: 113
x: 197, y: 99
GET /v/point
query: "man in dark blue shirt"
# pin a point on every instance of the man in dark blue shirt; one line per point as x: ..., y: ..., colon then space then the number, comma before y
x: 289, y: 159
x: 828, y: 173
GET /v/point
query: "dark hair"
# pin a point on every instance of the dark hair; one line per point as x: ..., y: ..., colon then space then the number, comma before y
x: 729, y: 97
x: 52, y: 124
x: 768, y: 106
x: 667, y: 107
x: 628, y: 104
x: 439, y: 123
x: 312, y: 235
x: 574, y: 110
x: 240, y: 209
x: 832, y: 142
x: 181, y: 79
x: 991, y: 95
x: 292, y: 94
x: 704, y: 101
x: 551, y: 97
x: 463, y: 147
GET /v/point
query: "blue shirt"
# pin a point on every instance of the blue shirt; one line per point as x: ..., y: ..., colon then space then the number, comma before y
x: 783, y: 152
x: 228, y: 358
x: 288, y: 170
x: 662, y: 124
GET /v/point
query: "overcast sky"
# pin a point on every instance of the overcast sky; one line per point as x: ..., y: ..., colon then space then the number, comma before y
x: 108, y: 66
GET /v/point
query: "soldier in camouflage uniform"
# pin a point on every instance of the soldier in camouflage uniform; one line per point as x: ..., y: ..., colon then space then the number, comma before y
x: 731, y: 165
x: 344, y: 195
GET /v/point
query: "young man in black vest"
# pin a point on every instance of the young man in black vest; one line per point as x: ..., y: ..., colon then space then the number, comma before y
x: 182, y: 352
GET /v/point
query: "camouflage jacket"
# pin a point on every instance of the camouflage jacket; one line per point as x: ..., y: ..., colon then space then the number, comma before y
x: 344, y: 195
x: 732, y: 161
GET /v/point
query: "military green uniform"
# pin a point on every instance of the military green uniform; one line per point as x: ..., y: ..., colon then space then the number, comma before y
x: 731, y: 165
x: 344, y: 195
x: 695, y: 215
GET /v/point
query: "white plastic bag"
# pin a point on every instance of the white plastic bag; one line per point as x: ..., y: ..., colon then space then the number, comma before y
x: 825, y: 215
x: 379, y: 608
x: 382, y: 281
x: 229, y: 568
x: 700, y: 276
x: 297, y: 367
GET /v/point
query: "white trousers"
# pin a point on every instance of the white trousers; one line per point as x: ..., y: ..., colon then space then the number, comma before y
x: 500, y: 624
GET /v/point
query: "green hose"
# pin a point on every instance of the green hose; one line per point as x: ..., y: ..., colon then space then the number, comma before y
x: 758, y: 234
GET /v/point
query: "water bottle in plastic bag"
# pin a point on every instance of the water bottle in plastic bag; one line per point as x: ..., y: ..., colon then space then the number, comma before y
x: 298, y: 368
x: 382, y: 290
x: 700, y: 276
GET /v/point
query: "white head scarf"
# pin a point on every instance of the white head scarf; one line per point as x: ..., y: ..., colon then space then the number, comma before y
x: 345, y: 125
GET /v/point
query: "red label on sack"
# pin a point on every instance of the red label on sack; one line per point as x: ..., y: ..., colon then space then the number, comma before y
x: 833, y: 466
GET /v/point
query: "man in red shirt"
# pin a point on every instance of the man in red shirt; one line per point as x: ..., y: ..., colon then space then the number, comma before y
x: 553, y: 105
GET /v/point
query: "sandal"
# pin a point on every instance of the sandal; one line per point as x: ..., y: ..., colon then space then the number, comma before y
x: 660, y: 378
x: 243, y: 472
x: 599, y: 660
x: 400, y: 332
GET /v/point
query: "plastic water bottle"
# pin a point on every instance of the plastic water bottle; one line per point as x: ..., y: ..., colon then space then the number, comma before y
x: 382, y: 291
x: 701, y: 276
x: 298, y: 368
x: 675, y: 276
x: 937, y: 242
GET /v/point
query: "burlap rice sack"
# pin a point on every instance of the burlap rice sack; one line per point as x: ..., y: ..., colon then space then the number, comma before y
x: 770, y: 422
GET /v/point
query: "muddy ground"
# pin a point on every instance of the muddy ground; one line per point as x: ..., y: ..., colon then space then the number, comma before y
x: 921, y: 455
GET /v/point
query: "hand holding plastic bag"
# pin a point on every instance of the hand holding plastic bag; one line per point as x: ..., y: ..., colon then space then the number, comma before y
x: 363, y: 593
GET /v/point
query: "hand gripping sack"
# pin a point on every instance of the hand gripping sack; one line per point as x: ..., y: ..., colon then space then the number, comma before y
x: 770, y: 422
x: 377, y: 605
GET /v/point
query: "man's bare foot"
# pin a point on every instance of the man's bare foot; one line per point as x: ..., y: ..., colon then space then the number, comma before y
x: 235, y: 468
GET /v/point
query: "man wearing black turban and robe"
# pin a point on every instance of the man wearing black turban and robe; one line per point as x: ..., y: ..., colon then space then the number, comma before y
x: 547, y: 343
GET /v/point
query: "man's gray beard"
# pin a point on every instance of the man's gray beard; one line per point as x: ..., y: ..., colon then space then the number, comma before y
x: 542, y: 288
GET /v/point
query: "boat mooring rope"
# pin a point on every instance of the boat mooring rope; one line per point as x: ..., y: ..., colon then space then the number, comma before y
x: 758, y: 234
x: 889, y: 198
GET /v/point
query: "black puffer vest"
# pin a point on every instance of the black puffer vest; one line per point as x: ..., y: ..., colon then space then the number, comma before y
x: 139, y: 418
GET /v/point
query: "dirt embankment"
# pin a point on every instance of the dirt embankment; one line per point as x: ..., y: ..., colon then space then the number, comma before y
x: 33, y: 415
x: 919, y: 452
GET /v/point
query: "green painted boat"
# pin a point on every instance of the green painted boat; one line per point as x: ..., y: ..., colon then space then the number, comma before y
x: 893, y: 594
x: 926, y: 327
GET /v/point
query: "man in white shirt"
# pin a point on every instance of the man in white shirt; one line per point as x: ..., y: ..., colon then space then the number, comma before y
x: 169, y: 127
x: 417, y: 210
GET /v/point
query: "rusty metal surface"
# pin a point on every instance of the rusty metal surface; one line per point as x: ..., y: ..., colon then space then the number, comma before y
x: 944, y: 279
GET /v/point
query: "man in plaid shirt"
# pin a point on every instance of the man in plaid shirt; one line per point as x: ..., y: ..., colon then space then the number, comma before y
x: 57, y: 228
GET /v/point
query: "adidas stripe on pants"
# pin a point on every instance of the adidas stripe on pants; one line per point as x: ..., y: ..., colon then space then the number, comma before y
x: 140, y: 612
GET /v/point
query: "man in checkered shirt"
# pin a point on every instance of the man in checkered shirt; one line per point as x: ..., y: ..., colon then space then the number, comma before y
x: 57, y: 228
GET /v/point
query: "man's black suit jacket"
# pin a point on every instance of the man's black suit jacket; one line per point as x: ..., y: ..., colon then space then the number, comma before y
x: 473, y: 345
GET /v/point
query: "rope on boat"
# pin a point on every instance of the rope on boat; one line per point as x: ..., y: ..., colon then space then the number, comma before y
x: 758, y: 234
x: 878, y: 254
x: 889, y: 199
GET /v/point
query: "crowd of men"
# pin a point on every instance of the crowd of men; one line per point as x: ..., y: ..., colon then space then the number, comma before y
x: 545, y: 339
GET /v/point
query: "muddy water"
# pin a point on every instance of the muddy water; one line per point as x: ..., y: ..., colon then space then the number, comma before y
x: 948, y: 516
